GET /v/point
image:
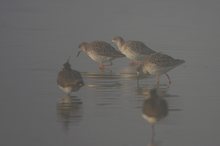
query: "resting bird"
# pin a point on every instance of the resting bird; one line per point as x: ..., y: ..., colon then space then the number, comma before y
x: 134, y: 50
x: 69, y: 80
x: 101, y: 52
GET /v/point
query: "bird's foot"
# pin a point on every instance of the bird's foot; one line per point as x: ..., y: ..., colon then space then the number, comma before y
x: 102, y: 67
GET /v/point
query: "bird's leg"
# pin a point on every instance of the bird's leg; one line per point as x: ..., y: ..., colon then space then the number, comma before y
x: 152, y: 133
x: 158, y: 80
x: 168, y: 77
x: 132, y: 63
x: 101, y: 66
x: 138, y: 79
x: 108, y: 64
x: 69, y: 94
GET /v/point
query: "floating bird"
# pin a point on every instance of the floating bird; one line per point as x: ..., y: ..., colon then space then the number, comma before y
x: 69, y: 80
x: 101, y: 52
x: 158, y: 64
x: 134, y: 50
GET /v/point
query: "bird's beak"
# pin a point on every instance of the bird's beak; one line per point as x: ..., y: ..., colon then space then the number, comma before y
x: 78, y: 53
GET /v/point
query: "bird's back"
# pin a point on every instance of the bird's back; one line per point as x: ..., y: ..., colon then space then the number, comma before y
x: 68, y: 77
x: 104, y: 49
x: 138, y: 47
x: 163, y: 60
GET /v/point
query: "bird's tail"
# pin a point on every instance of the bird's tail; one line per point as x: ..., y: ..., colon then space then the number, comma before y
x: 118, y: 54
x: 179, y: 61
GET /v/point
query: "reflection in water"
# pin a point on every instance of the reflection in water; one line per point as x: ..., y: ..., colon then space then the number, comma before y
x: 131, y: 73
x: 101, y: 75
x: 146, y: 91
x: 105, y: 87
x: 69, y: 110
x: 154, y: 108
x: 103, y: 81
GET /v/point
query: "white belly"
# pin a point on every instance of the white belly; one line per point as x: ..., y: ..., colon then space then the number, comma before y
x: 155, y: 70
x: 151, y: 120
x: 99, y: 59
x: 133, y: 55
x: 66, y: 90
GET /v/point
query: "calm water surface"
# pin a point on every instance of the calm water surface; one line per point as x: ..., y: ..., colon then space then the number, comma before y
x: 38, y: 36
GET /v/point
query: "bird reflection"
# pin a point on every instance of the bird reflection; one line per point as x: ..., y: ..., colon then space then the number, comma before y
x: 103, y: 80
x: 69, y: 110
x: 154, y: 109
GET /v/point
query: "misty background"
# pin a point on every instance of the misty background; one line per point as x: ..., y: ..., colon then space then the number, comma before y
x: 36, y: 38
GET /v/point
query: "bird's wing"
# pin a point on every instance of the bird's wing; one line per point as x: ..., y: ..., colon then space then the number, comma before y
x: 139, y: 47
x: 69, y: 78
x: 161, y: 59
x: 104, y: 49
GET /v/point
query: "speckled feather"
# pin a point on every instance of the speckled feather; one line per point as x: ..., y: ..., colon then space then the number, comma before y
x: 138, y: 47
x: 162, y: 60
x: 103, y: 49
x: 69, y: 77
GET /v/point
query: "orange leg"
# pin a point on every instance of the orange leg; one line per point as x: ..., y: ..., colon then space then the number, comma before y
x: 101, y: 66
x: 109, y: 64
x: 132, y: 63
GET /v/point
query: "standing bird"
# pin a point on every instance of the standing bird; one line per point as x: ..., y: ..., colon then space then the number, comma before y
x: 100, y: 51
x: 69, y: 80
x: 157, y: 64
x: 134, y: 50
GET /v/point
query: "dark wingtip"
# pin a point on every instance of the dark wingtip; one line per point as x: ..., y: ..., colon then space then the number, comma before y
x: 119, y: 54
x: 180, y: 61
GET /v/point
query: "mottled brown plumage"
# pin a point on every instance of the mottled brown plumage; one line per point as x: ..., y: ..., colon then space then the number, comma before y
x: 134, y: 50
x: 100, y: 51
x: 104, y: 49
x: 158, y: 64
x: 69, y: 80
x: 162, y: 60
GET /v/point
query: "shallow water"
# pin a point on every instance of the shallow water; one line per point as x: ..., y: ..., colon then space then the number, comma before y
x: 37, y: 37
